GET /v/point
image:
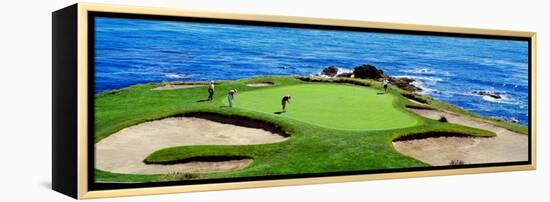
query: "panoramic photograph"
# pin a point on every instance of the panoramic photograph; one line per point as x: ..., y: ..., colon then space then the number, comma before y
x: 189, y: 100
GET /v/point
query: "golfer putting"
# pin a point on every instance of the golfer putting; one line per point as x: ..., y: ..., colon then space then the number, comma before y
x: 230, y: 96
x: 284, y: 101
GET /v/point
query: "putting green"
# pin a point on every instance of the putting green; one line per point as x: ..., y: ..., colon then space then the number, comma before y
x: 335, y: 106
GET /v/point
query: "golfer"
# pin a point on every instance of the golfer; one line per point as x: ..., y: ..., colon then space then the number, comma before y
x: 211, y: 91
x: 385, y: 83
x: 230, y: 95
x: 286, y: 99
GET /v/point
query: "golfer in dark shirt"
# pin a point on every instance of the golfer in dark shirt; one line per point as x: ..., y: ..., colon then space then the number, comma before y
x: 286, y: 99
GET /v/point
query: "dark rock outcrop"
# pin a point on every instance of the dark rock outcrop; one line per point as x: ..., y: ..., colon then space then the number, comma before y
x: 493, y: 95
x: 367, y: 71
x: 405, y: 84
x: 330, y: 71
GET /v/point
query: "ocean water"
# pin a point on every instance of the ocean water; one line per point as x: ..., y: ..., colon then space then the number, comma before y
x: 133, y: 51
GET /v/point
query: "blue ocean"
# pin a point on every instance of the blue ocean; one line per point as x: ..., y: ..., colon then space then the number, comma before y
x: 133, y: 51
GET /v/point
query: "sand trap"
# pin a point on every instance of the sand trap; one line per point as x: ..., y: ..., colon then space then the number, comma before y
x: 507, y: 146
x: 263, y: 84
x: 178, y: 86
x: 124, y: 151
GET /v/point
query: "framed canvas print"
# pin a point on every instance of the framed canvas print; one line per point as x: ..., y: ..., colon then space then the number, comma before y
x: 150, y: 100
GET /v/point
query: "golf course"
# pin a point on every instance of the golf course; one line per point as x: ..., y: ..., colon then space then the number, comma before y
x: 160, y: 132
x: 342, y: 107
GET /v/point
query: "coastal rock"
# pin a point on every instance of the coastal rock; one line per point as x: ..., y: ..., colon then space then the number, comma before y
x: 493, y: 95
x: 367, y: 71
x: 405, y: 84
x: 330, y: 71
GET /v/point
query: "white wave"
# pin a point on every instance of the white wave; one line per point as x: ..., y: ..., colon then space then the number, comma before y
x: 421, y: 78
x: 423, y: 82
x: 504, y: 98
x: 425, y: 90
x: 419, y: 71
x: 176, y: 76
x: 318, y: 75
x: 344, y: 70
x: 427, y: 72
x: 492, y: 99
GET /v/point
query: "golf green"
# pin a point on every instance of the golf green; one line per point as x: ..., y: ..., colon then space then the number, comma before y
x: 336, y: 106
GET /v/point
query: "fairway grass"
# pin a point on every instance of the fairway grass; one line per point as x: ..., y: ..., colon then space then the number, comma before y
x: 336, y: 106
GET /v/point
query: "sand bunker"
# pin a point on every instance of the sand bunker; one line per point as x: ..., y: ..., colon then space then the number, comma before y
x: 178, y: 86
x: 124, y: 151
x: 262, y: 84
x: 507, y: 146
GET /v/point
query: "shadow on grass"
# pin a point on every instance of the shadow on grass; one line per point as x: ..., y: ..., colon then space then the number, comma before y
x: 203, y: 100
x: 280, y: 112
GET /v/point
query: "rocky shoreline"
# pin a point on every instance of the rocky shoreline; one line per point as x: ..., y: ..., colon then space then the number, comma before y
x: 367, y: 71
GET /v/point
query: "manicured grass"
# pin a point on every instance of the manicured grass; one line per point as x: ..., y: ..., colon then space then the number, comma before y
x: 105, y: 176
x: 317, y: 143
x: 432, y: 103
x: 336, y: 106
